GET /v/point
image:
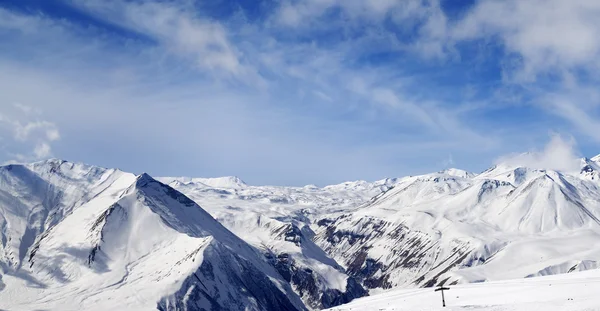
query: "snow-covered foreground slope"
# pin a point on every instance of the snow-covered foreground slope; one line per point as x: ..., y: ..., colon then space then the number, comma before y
x: 576, y: 291
x: 76, y: 237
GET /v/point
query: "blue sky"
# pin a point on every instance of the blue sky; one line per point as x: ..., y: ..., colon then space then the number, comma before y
x: 296, y: 92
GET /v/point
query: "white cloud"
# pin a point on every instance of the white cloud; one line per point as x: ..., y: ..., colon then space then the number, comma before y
x: 23, y: 131
x: 247, y: 122
x: 42, y: 150
x: 425, y: 17
x: 550, y: 36
x: 27, y: 132
x: 551, y: 50
x: 559, y: 154
x: 305, y: 14
x: 376, y: 92
x: 568, y: 108
x: 546, y: 35
x: 26, y: 109
x: 179, y: 30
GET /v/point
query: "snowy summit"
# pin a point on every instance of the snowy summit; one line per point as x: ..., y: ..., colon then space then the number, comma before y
x: 300, y: 155
x: 75, y: 235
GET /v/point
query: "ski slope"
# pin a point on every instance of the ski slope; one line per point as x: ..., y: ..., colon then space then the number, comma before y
x: 578, y: 291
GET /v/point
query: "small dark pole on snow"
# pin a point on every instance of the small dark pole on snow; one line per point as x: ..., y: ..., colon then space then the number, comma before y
x: 442, y: 289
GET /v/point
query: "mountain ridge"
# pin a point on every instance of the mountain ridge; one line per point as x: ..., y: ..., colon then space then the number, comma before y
x: 309, y: 247
x: 147, y: 240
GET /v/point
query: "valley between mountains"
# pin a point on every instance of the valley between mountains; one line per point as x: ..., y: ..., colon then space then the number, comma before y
x: 79, y: 237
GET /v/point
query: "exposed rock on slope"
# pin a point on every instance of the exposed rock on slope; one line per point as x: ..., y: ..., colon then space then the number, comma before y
x: 128, y: 242
x: 507, y: 222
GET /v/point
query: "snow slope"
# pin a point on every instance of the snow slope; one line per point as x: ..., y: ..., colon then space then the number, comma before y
x: 277, y: 221
x: 448, y: 227
x: 75, y: 236
x: 568, y: 292
x: 444, y: 228
x: 227, y: 182
x: 126, y: 243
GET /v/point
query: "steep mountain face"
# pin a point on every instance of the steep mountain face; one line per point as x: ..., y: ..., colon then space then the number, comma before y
x: 74, y: 236
x: 277, y: 221
x: 36, y: 197
x: 80, y: 237
x: 443, y: 228
x: 508, y: 222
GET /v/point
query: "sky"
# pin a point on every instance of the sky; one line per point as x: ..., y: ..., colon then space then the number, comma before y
x: 287, y: 92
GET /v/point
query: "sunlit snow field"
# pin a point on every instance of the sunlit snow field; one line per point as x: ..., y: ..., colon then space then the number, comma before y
x: 576, y: 291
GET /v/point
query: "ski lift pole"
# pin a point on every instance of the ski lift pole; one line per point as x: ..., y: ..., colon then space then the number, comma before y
x: 442, y: 289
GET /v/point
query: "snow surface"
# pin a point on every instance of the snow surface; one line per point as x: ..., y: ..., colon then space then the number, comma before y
x: 568, y: 292
x: 227, y: 182
x: 507, y: 222
x: 277, y: 220
x: 452, y: 226
x: 122, y: 242
x: 74, y: 236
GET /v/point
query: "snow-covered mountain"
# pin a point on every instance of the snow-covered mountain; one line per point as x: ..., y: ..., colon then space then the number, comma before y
x: 277, y: 220
x: 507, y: 222
x: 80, y: 237
x: 73, y: 235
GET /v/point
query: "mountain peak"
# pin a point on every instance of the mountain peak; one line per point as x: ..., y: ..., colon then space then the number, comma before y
x: 144, y: 178
x: 457, y: 173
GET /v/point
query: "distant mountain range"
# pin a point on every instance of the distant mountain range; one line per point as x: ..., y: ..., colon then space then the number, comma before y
x: 75, y: 236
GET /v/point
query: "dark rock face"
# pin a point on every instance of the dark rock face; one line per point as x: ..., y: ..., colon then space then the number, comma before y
x: 306, y: 284
x: 332, y: 298
x: 411, y: 251
x: 226, y: 281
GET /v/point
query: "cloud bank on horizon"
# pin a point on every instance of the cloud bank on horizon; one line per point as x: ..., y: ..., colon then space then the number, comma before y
x: 297, y: 92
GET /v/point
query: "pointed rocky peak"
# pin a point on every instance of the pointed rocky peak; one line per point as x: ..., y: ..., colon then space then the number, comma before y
x: 144, y: 179
x: 154, y: 188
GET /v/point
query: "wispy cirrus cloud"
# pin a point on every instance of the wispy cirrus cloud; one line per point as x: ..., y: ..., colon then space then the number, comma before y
x: 551, y: 49
x: 548, y: 36
x: 316, y: 85
x: 180, y: 31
